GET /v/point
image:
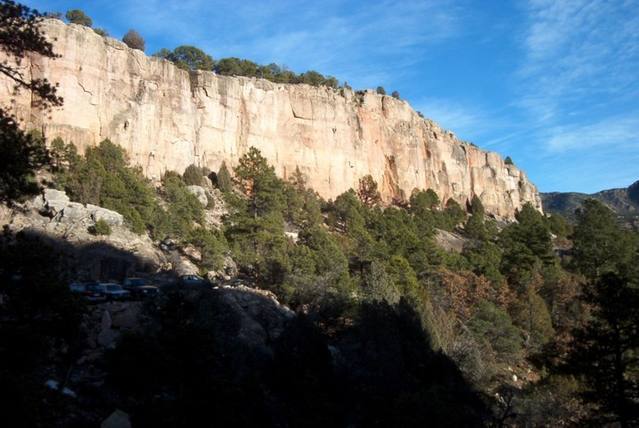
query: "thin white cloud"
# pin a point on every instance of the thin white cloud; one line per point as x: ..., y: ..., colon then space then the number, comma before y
x: 578, y: 50
x: 453, y: 116
x: 615, y: 134
x: 349, y: 40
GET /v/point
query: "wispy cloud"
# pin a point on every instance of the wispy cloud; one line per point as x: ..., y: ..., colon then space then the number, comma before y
x: 577, y: 49
x: 363, y: 42
x: 554, y: 84
x: 614, y: 134
x: 451, y: 115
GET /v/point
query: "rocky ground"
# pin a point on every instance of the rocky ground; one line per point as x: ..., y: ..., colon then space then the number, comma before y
x: 258, y: 315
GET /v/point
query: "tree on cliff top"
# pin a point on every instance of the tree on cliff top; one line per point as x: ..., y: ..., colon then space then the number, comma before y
x: 188, y: 58
x: 22, y: 153
x: 134, y: 40
x: 77, y: 16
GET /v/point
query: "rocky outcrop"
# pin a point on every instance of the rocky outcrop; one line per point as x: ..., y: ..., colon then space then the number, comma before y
x: 57, y: 205
x: 199, y: 193
x: 167, y: 118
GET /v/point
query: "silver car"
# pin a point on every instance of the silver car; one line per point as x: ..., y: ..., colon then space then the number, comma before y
x: 113, y: 291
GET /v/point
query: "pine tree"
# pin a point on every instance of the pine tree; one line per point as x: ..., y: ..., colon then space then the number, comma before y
x: 367, y: 191
x: 605, y: 351
x: 599, y: 243
x: 224, y: 180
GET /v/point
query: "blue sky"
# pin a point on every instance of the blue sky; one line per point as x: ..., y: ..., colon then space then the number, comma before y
x: 553, y: 84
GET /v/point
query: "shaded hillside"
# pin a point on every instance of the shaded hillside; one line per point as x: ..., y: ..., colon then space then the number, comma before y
x: 624, y: 202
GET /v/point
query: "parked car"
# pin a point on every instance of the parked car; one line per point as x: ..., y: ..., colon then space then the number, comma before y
x: 78, y: 287
x: 113, y: 291
x: 140, y: 287
x: 94, y: 292
x: 144, y: 291
x: 130, y: 283
x: 193, y: 280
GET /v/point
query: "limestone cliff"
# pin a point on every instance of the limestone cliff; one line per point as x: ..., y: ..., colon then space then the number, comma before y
x: 167, y: 118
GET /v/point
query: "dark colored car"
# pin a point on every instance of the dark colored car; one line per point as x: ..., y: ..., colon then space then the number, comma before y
x: 90, y: 290
x: 194, y: 280
x: 94, y: 292
x: 140, y: 288
x: 144, y: 291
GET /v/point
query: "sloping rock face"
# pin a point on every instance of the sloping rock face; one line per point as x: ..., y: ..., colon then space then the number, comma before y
x: 167, y: 119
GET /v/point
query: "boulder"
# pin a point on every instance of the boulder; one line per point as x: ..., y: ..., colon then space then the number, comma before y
x: 113, y: 218
x: 54, y: 201
x: 199, y: 193
x: 117, y: 419
x: 230, y: 267
x: 226, y: 273
x: 74, y: 212
x: 125, y: 315
x: 193, y: 253
x: 261, y: 317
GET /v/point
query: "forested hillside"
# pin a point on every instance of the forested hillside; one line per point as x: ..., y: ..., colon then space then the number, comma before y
x: 624, y: 202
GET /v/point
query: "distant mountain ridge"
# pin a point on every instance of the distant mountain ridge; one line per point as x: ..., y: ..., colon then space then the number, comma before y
x: 623, y: 201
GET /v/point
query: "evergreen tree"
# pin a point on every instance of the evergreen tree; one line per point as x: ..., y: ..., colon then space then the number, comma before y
x: 599, y: 243
x: 605, y: 351
x: 193, y: 175
x: 224, y: 180
x: 21, y: 153
x: 367, y: 191
x: 259, y: 183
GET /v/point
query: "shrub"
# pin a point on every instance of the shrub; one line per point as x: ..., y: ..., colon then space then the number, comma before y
x: 134, y: 40
x: 395, y: 94
x: 101, y: 31
x: 193, y: 175
x: 100, y: 227
x: 77, y: 16
x: 380, y: 90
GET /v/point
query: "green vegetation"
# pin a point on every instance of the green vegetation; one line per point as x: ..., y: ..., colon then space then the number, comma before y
x: 101, y: 31
x: 360, y: 271
x: 100, y: 227
x: 194, y: 175
x: 22, y: 155
x: 103, y: 177
x: 420, y: 329
x: 188, y: 58
x: 223, y: 179
x: 77, y: 16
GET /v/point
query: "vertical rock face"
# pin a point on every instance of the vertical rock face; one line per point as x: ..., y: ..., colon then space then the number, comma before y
x: 167, y: 119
